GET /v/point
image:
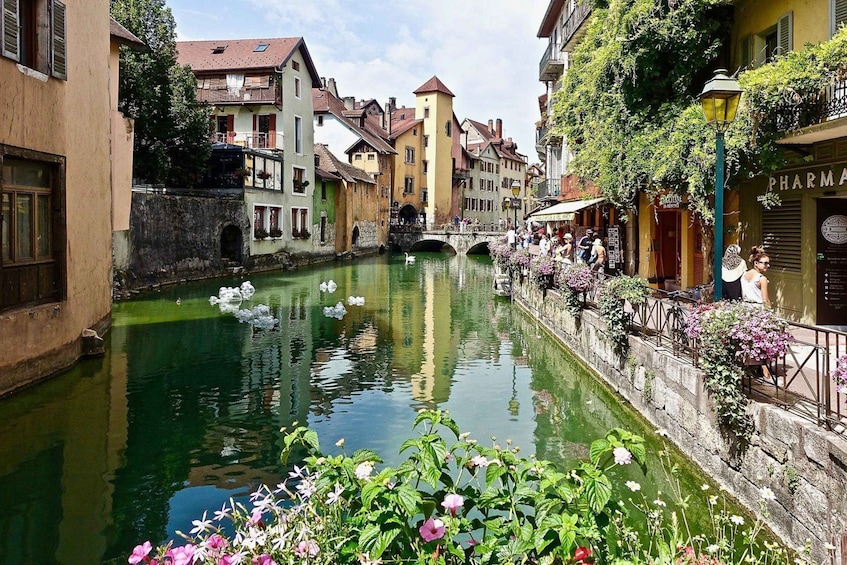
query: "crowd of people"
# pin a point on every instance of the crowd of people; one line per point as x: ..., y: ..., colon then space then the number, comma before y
x: 588, y: 250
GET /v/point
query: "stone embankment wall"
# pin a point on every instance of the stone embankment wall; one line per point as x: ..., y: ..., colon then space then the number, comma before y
x: 804, y: 465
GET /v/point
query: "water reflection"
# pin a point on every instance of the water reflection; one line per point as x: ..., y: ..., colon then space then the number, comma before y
x: 186, y: 408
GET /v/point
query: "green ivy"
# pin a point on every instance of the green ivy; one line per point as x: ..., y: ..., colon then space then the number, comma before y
x: 615, y: 294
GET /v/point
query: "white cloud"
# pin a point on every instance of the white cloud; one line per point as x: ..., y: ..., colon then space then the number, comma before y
x: 486, y: 52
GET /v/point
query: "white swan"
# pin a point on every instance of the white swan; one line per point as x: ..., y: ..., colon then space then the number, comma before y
x: 410, y: 258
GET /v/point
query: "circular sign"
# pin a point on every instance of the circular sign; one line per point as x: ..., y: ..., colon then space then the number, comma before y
x: 834, y: 229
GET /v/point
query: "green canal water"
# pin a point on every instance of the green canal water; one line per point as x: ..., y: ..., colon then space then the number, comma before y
x: 184, y: 411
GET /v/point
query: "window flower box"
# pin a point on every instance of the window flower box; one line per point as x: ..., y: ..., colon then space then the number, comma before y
x: 260, y: 233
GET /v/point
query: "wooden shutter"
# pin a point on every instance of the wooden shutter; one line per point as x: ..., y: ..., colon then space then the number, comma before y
x: 839, y: 15
x: 785, y: 33
x: 10, y: 25
x: 781, y: 235
x: 272, y: 131
x: 58, y: 45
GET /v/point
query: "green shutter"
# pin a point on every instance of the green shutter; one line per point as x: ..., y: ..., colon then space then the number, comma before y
x: 785, y: 33
x: 781, y: 235
x: 745, y: 55
x: 10, y: 27
x: 58, y: 45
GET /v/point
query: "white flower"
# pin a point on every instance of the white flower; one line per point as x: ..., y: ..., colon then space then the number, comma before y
x: 767, y: 494
x: 713, y: 548
x: 659, y: 502
x: 622, y: 456
x: 480, y: 461
x: 713, y: 500
x: 662, y: 432
x: 633, y: 486
x: 297, y: 472
x: 704, y: 487
x: 737, y: 520
x: 335, y: 496
x: 340, y: 443
x: 363, y: 470
x: 223, y: 513
x: 201, y: 526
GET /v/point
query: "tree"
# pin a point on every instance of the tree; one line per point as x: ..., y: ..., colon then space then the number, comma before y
x: 171, y: 126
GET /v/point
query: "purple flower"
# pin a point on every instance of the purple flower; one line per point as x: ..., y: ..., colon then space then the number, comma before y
x: 432, y: 529
x: 140, y: 552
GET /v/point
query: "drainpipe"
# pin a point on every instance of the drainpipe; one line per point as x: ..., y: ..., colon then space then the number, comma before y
x: 631, y: 255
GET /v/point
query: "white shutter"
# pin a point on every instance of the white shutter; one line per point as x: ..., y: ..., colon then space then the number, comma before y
x: 785, y: 33
x: 58, y: 44
x: 10, y: 27
x: 839, y: 13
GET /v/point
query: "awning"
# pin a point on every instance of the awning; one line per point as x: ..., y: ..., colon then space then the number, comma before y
x: 564, y: 211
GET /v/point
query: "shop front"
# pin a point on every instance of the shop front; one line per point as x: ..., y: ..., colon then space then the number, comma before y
x: 805, y: 236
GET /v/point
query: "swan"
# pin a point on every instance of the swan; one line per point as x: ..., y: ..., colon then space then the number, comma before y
x: 410, y: 258
x: 323, y: 287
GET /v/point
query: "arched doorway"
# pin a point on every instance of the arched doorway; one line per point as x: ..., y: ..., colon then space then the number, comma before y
x: 408, y: 214
x: 354, y: 239
x: 231, y: 244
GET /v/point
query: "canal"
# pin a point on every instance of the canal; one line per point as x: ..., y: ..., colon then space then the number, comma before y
x: 184, y: 411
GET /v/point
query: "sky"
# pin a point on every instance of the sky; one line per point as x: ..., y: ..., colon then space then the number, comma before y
x: 485, y: 51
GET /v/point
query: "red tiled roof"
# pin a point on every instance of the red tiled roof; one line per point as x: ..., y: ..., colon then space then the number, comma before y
x: 482, y: 128
x: 433, y: 85
x: 123, y: 36
x: 551, y: 16
x: 241, y: 55
x: 325, y: 102
x: 346, y: 171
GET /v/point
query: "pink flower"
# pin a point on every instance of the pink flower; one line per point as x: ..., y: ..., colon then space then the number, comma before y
x: 140, y: 552
x: 452, y: 502
x: 265, y: 559
x: 432, y: 529
x: 216, y: 542
x: 304, y: 548
x: 622, y: 456
x: 255, y: 518
x: 181, y: 555
x: 363, y: 470
x: 227, y: 560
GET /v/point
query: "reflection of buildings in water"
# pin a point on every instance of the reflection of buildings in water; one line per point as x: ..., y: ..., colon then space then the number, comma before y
x: 75, y: 436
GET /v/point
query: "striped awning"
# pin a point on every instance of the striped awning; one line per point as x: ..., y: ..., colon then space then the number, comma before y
x: 564, y: 211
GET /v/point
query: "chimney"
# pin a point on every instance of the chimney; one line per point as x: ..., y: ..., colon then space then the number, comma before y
x: 323, y: 83
x: 330, y: 86
x: 499, y: 128
x: 491, y: 127
x: 392, y: 104
x: 349, y: 102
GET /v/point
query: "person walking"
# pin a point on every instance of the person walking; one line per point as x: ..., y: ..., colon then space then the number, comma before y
x: 754, y: 283
x: 511, y: 237
x: 597, y: 260
x: 544, y: 245
x: 567, y: 249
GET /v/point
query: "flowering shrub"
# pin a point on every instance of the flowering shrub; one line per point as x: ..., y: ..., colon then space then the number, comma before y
x: 520, y: 259
x: 542, y: 269
x: 451, y: 501
x: 501, y: 252
x: 839, y: 374
x: 573, y: 280
x: 732, y: 335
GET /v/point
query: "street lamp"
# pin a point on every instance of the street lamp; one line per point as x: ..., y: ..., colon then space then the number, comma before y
x: 516, y: 202
x: 720, y: 98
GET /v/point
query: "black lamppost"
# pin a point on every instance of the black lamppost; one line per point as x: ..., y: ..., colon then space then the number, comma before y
x: 516, y: 201
x: 720, y: 98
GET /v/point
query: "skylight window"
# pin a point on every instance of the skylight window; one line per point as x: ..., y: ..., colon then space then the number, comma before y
x: 260, y: 47
x: 218, y: 50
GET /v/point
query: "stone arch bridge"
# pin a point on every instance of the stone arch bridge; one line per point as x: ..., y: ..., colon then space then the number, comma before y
x: 469, y: 242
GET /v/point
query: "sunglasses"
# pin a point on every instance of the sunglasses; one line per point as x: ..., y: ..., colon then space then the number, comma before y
x: 766, y: 263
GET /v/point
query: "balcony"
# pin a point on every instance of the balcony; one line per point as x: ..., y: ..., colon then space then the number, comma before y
x: 575, y: 28
x: 548, y: 188
x: 544, y: 139
x: 267, y: 95
x: 821, y: 119
x: 552, y: 64
x: 250, y: 139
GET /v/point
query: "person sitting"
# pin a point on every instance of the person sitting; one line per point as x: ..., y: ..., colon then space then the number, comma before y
x: 754, y: 283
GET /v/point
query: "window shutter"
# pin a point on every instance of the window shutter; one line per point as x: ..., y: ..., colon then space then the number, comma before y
x: 785, y: 33
x: 781, y: 235
x: 11, y: 30
x: 58, y: 46
x: 839, y: 15
x: 272, y: 131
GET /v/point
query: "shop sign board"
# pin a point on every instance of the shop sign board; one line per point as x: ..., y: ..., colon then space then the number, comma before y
x: 613, y: 251
x: 831, y: 260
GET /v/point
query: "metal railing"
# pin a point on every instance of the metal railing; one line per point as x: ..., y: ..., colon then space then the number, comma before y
x: 250, y: 139
x: 829, y: 104
x: 552, y: 64
x: 574, y: 24
x: 800, y: 382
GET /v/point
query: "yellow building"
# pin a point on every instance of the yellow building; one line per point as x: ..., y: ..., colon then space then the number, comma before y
x: 804, y: 235
x: 56, y: 186
x: 410, y: 190
x: 434, y: 105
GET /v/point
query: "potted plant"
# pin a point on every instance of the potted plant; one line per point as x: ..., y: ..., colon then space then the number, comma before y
x: 295, y: 233
x: 305, y: 234
x: 241, y: 172
x: 275, y: 233
x: 264, y: 175
x: 260, y: 233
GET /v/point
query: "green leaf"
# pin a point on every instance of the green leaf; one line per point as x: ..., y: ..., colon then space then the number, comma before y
x: 598, y: 448
x: 407, y: 498
x: 450, y: 424
x: 493, y: 472
x: 362, y: 455
x: 598, y: 491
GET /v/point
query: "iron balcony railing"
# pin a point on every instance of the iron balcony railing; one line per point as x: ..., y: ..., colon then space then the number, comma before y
x: 573, y: 30
x: 250, y: 139
x: 830, y: 104
x: 552, y: 63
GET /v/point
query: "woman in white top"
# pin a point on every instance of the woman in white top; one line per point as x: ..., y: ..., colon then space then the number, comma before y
x: 754, y: 284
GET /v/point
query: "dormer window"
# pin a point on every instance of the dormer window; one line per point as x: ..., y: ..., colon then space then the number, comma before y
x: 260, y: 48
x: 218, y: 49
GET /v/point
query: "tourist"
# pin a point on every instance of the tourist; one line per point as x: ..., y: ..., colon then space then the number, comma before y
x: 754, y: 283
x: 544, y: 245
x: 511, y: 237
x: 733, y: 268
x: 583, y: 248
x: 567, y: 249
x: 597, y: 259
